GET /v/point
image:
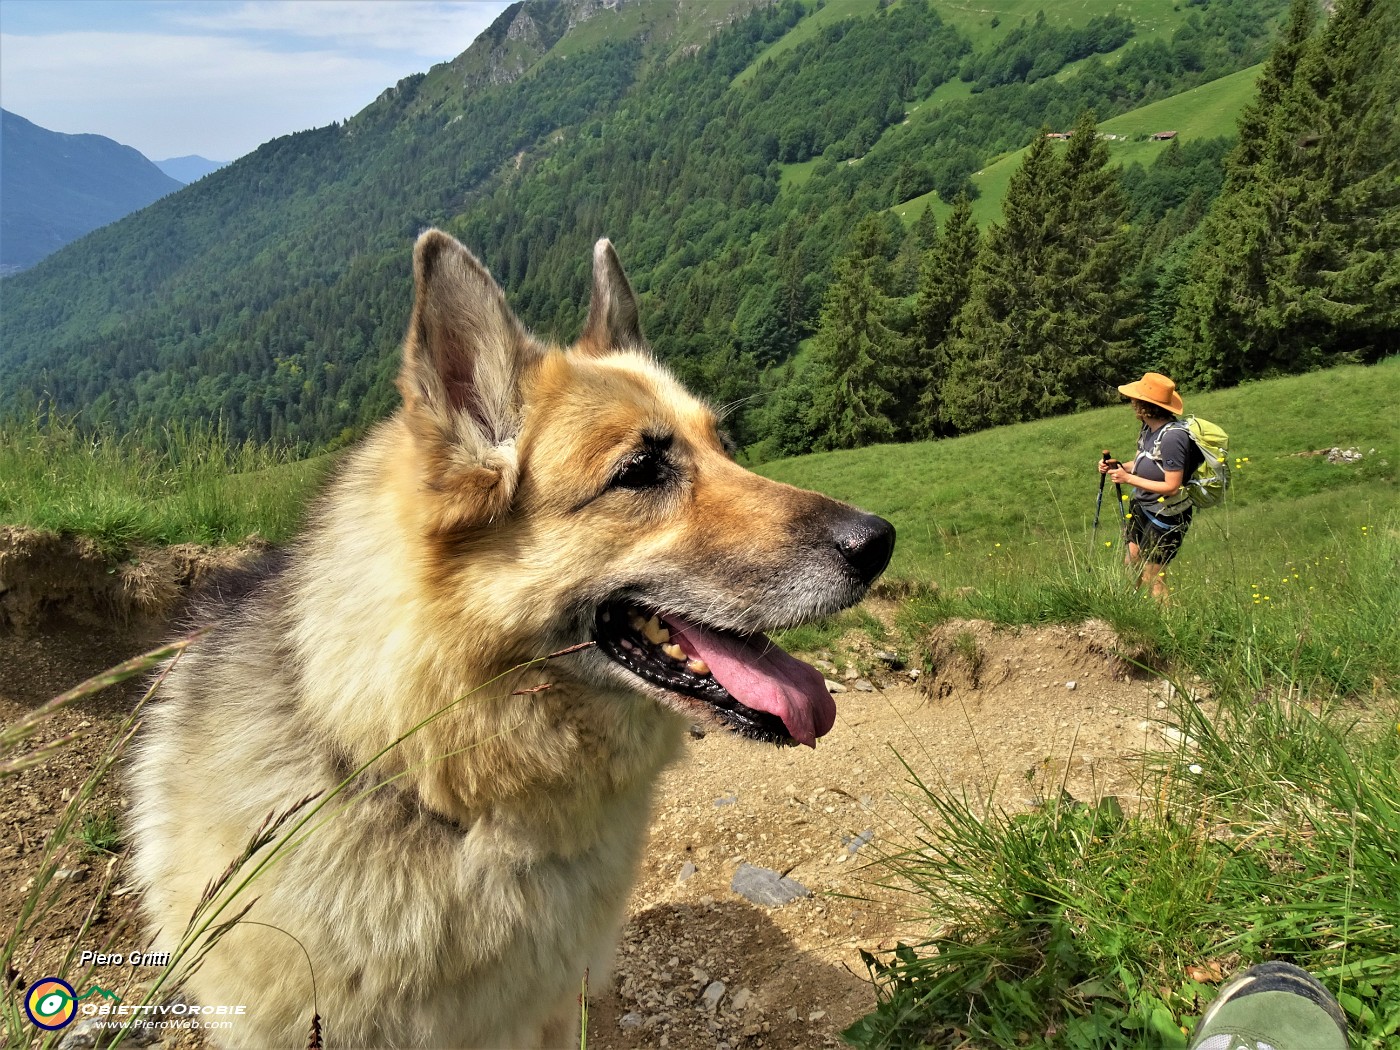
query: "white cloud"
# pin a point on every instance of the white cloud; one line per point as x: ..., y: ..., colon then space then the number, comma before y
x: 237, y: 78
x: 170, y: 95
x: 441, y: 30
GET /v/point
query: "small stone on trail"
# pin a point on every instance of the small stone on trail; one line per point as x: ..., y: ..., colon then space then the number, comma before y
x: 1071, y: 685
x: 834, y: 687
x: 687, y: 870
x: 765, y: 886
x: 712, y: 994
x: 862, y: 686
x: 855, y: 842
x: 1176, y: 736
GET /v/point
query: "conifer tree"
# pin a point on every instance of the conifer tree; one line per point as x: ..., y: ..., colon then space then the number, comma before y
x: 1270, y: 89
x: 944, y: 281
x: 1044, y: 327
x: 925, y: 230
x: 859, y: 361
x: 1298, y: 263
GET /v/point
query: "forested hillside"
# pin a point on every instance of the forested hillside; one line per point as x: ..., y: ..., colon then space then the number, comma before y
x: 750, y: 200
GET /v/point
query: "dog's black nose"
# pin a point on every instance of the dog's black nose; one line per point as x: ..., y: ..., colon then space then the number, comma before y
x: 866, y: 541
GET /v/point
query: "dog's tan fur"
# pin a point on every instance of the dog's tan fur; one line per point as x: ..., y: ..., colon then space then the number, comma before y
x: 455, y: 893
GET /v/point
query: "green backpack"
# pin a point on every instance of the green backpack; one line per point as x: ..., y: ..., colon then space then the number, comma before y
x: 1207, y: 484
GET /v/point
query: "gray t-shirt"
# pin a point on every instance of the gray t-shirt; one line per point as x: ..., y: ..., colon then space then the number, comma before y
x: 1174, y: 452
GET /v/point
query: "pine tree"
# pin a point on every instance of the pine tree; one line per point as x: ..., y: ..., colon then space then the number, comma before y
x: 1298, y: 263
x: 987, y: 383
x: 1270, y: 89
x: 945, y: 279
x: 925, y: 230
x: 1095, y: 297
x: 1348, y: 261
x: 858, y: 361
x: 1044, y: 329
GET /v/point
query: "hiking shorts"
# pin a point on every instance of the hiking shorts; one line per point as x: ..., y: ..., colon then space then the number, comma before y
x: 1159, y: 538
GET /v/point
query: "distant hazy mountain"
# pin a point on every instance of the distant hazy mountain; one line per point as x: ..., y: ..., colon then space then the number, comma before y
x: 190, y: 168
x: 54, y: 188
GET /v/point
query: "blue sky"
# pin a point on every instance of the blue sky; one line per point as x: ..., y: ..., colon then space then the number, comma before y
x: 218, y: 77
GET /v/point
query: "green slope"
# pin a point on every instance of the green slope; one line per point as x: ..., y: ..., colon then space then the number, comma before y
x: 1028, y: 491
x: 1209, y: 111
x: 974, y: 17
x: 807, y: 29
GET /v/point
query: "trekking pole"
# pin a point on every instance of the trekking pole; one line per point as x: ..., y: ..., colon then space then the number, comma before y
x: 1094, y: 537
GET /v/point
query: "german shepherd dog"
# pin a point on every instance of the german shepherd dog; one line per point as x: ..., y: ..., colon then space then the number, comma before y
x: 500, y: 620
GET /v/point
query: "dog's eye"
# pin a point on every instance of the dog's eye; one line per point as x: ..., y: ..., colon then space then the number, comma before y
x: 646, y: 469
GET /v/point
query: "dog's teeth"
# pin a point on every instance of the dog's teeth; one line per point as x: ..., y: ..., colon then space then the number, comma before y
x: 697, y: 665
x: 674, y: 651
x: 656, y: 634
x: 638, y: 624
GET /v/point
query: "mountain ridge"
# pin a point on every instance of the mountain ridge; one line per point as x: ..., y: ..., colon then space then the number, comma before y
x: 59, y: 187
x: 271, y: 294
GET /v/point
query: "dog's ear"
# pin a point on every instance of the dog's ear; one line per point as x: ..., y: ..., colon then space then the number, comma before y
x: 613, y: 323
x: 460, y: 380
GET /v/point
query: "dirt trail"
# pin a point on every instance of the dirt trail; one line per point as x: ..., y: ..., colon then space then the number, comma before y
x: 699, y: 966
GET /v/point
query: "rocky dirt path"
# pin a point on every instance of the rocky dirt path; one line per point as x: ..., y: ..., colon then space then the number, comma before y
x: 701, y: 965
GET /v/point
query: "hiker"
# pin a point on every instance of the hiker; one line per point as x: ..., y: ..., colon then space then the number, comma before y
x: 1159, y: 512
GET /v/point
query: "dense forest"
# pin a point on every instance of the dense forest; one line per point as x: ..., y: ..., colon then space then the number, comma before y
x: 270, y: 296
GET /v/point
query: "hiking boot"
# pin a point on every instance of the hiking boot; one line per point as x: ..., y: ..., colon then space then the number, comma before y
x: 1272, y: 1006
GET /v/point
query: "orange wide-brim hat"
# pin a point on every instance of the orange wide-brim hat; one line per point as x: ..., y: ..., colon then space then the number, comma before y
x: 1156, y: 389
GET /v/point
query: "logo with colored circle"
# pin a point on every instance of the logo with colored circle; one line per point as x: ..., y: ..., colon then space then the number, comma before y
x: 51, y: 1003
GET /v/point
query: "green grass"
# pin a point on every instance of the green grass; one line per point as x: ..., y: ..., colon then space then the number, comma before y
x: 974, y: 17
x: 1267, y: 833
x: 101, y: 832
x: 122, y: 491
x: 1078, y: 925
x: 1209, y: 111
x: 1032, y: 487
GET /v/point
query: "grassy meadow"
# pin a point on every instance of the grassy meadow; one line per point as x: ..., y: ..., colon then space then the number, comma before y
x: 131, y: 490
x: 1208, y: 111
x: 1268, y: 833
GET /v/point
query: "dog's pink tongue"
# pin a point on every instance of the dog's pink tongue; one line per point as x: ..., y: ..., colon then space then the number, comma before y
x: 759, y: 674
